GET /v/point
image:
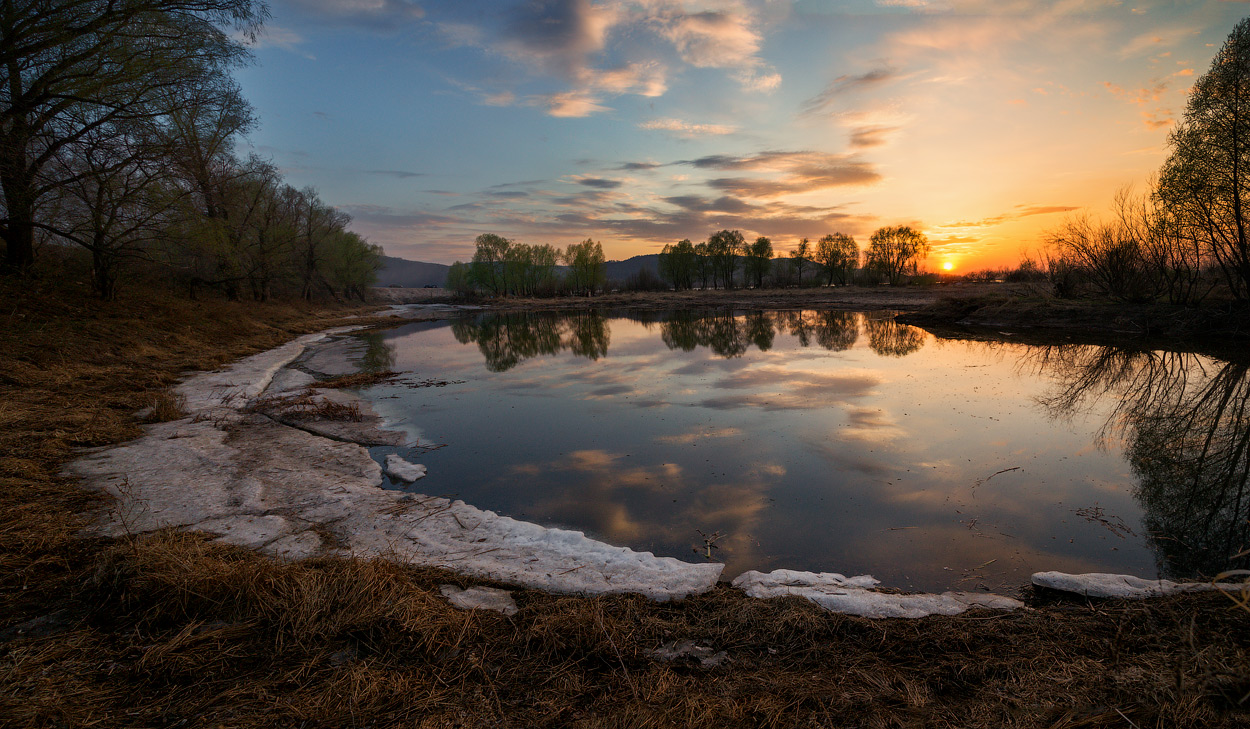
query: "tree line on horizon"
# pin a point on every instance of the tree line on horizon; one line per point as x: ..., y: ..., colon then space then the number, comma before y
x: 503, y: 267
x: 1188, y: 237
x: 118, y: 124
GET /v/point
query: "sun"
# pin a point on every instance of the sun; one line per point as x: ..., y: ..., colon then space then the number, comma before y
x: 947, y: 266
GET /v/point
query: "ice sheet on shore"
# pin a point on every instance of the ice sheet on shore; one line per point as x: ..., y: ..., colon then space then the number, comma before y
x: 292, y: 493
x: 855, y: 596
x: 1103, y: 585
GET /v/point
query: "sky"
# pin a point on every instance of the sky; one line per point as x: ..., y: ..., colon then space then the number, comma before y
x: 983, y: 123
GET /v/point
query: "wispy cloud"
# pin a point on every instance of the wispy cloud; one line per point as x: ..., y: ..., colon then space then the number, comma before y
x: 786, y: 172
x: 383, y: 15
x: 847, y: 84
x: 867, y: 137
x: 277, y: 36
x: 601, y: 183
x: 1019, y: 211
x: 399, y: 174
x: 686, y: 129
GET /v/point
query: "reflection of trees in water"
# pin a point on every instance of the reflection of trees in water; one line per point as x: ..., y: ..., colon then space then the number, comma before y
x: 1186, y: 427
x: 506, y: 340
x: 379, y: 354
x: 837, y: 331
x: 833, y: 330
x: 888, y: 338
x: 720, y: 331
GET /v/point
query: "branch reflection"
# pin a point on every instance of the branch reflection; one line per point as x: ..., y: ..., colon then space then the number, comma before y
x: 1184, y: 421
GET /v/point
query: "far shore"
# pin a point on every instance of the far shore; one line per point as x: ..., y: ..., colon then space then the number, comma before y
x: 900, y: 298
x: 958, y: 309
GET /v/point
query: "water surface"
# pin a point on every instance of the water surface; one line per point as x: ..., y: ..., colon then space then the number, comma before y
x: 831, y: 441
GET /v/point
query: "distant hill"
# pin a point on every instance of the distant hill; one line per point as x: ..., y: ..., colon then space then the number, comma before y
x: 621, y: 270
x: 411, y: 274
x: 415, y: 274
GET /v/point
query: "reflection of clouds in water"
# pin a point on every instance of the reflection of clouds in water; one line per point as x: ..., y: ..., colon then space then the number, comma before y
x: 609, y: 391
x: 710, y: 365
x: 851, y: 457
x: 598, y: 500
x: 735, y: 510
x: 697, y: 435
x: 852, y: 384
x: 606, y: 485
x: 790, y: 390
x: 870, y: 425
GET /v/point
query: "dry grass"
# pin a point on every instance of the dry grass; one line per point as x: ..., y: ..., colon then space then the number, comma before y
x: 170, y: 629
x: 359, y: 380
x: 165, y: 405
x: 306, y: 405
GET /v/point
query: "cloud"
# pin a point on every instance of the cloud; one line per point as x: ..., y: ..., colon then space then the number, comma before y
x: 559, y: 34
x: 382, y: 15
x: 1019, y: 211
x: 599, y: 182
x: 686, y: 129
x: 867, y: 137
x: 720, y: 38
x: 401, y: 174
x: 569, y: 104
x: 274, y: 36
x: 639, y: 166
x: 847, y: 84
x: 385, y: 216
x: 695, y: 436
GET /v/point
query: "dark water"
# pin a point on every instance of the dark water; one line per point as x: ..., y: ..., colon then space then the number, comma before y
x: 832, y: 441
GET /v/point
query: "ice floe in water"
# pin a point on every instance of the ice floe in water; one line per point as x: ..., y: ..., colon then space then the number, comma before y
x: 397, y: 467
x: 1102, y: 584
x: 855, y: 596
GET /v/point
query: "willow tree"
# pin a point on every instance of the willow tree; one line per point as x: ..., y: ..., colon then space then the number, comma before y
x: 1206, y: 180
x: 759, y: 258
x: 69, y: 68
x: 896, y: 251
x: 838, y: 255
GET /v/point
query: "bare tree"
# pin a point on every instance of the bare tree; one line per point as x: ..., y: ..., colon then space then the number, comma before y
x: 72, y: 68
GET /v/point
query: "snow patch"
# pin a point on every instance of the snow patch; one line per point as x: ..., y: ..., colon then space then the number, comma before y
x: 397, y: 467
x: 292, y: 493
x: 854, y: 596
x: 1102, y: 585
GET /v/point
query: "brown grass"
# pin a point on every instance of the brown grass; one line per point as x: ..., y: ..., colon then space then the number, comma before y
x: 305, y: 406
x: 171, y: 629
x: 359, y: 380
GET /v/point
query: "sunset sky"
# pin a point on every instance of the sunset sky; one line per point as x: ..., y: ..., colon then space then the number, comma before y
x: 981, y: 122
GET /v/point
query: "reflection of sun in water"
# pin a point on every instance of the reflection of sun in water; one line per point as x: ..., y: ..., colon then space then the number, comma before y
x: 947, y: 266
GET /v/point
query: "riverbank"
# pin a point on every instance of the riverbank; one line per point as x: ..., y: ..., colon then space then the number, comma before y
x: 855, y: 298
x: 1022, y: 309
x: 169, y: 627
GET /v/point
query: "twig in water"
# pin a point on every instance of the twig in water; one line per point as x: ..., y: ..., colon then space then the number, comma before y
x: 992, y: 475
